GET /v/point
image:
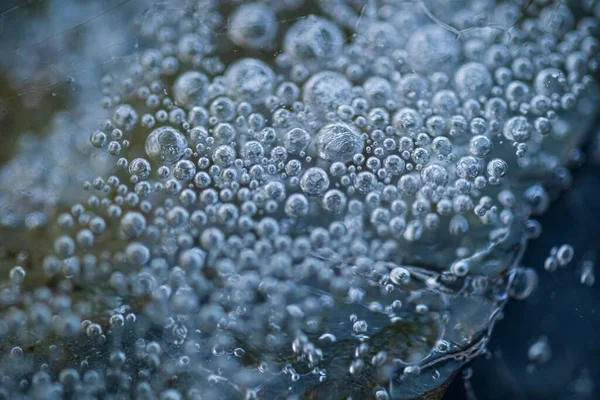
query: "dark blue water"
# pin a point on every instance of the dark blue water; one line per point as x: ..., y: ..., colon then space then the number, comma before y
x: 562, y: 309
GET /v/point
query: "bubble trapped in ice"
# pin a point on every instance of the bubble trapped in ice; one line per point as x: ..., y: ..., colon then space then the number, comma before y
x: 281, y: 204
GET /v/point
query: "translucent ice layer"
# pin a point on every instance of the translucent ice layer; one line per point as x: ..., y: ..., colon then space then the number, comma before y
x: 287, y: 199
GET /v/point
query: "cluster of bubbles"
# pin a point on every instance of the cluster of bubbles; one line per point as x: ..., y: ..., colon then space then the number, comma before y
x: 339, y: 206
x: 559, y: 257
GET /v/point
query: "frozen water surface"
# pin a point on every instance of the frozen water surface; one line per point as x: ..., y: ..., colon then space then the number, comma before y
x: 276, y: 199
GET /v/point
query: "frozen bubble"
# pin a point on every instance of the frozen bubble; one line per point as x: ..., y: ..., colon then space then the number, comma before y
x: 98, y: 139
x: 525, y: 281
x: 550, y: 81
x: 537, y: 198
x: 250, y: 80
x: 378, y: 89
x: 296, y: 140
x: 408, y: 121
x: 480, y: 146
x: 497, y: 168
x: 253, y: 151
x: 540, y: 351
x: 184, y: 170
x: 325, y: 91
x: 313, y: 39
x: 296, y: 205
x: 557, y: 20
x: 202, y: 180
x: 473, y: 80
x: 412, y: 88
x: 125, y: 117
x: 253, y: 26
x: 365, y: 182
x: 445, y: 102
x: 434, y: 174
x: 17, y: 275
x: 133, y: 224
x: 565, y: 254
x: 334, y: 201
x: 191, y: 89
x: 393, y: 164
x: 382, y: 36
x: 588, y: 274
x: 165, y: 145
x: 339, y: 142
x: 224, y: 156
x: 140, y: 167
x: 468, y: 167
x: 64, y: 246
x: 400, y: 276
x: 432, y: 48
x: 460, y: 268
x: 442, y: 146
x: 517, y: 129
x: 314, y: 182
x: 188, y: 46
x: 377, y: 182
x: 224, y: 132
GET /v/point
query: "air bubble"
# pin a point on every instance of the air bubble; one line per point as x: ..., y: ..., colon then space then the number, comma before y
x: 431, y: 48
x: 165, y: 145
x: 250, y: 80
x: 313, y: 39
x: 191, y: 89
x: 253, y: 26
x: 339, y: 142
x: 325, y: 91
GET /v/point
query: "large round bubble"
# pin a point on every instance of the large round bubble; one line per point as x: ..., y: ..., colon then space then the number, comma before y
x: 250, y: 80
x: 326, y: 91
x: 191, y: 89
x: 165, y: 145
x: 339, y: 142
x: 432, y: 48
x: 253, y: 26
x: 313, y: 39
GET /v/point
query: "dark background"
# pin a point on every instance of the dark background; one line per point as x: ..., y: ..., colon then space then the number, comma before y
x: 561, y: 308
